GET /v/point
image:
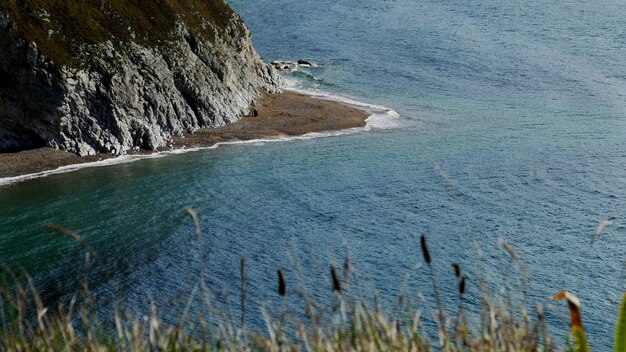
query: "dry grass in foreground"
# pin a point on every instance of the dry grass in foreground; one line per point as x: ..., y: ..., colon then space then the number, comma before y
x: 346, y: 324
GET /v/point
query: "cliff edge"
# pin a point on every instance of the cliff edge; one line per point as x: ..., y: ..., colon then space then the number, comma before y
x: 108, y: 76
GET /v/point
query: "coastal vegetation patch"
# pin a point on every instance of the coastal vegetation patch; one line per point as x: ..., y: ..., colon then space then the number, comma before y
x: 61, y: 28
x: 345, y: 321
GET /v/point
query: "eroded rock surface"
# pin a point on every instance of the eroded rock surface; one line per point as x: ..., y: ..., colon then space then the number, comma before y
x: 120, y: 95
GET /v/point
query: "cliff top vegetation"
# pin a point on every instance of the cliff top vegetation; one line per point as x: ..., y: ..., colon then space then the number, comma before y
x: 61, y: 28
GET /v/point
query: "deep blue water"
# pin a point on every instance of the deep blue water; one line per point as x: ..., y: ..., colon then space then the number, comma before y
x: 512, y: 125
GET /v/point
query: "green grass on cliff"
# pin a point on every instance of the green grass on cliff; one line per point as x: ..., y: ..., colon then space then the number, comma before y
x: 61, y: 27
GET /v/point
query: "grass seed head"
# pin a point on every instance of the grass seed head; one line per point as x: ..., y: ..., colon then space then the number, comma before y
x: 336, y: 282
x: 425, y: 250
x: 282, y: 284
x: 457, y: 270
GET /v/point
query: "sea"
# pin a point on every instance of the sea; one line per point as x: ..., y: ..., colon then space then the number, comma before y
x: 497, y: 125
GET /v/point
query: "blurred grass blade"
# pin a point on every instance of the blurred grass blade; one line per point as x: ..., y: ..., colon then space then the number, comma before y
x: 63, y: 231
x: 620, y: 332
x: 194, y: 216
x: 578, y: 331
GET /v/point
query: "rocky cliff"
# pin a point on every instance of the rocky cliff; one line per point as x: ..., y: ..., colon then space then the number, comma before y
x: 108, y: 76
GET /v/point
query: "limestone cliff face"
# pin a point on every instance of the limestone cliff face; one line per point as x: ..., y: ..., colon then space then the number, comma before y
x: 116, y: 94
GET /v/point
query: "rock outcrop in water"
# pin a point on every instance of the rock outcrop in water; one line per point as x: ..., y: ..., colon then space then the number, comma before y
x: 108, y: 76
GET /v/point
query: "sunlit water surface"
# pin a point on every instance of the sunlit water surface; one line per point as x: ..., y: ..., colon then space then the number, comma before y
x: 512, y: 126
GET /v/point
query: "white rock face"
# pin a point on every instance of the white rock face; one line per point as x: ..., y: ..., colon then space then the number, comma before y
x: 126, y: 95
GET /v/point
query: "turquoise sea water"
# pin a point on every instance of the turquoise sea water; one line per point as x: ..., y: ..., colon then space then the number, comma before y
x: 512, y: 125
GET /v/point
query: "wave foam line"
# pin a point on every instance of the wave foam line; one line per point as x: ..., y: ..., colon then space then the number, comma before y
x: 100, y: 163
x: 132, y: 158
x: 382, y: 117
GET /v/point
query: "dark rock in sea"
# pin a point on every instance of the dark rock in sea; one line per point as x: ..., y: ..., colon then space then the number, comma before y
x: 305, y: 63
x: 108, y: 77
x: 284, y: 65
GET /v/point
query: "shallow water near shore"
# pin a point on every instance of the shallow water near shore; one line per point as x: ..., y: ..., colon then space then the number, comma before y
x: 512, y: 124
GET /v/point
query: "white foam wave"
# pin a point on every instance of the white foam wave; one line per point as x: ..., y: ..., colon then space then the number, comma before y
x: 100, y: 163
x: 381, y: 118
x: 131, y: 158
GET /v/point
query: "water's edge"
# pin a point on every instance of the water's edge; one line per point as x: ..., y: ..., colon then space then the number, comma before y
x: 381, y: 118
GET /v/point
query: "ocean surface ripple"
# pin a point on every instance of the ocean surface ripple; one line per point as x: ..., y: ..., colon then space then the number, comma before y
x: 510, y: 124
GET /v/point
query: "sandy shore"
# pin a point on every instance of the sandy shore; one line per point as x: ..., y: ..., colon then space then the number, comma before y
x: 284, y: 114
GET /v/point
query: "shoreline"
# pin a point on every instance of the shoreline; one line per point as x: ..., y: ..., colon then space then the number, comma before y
x: 283, y: 115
